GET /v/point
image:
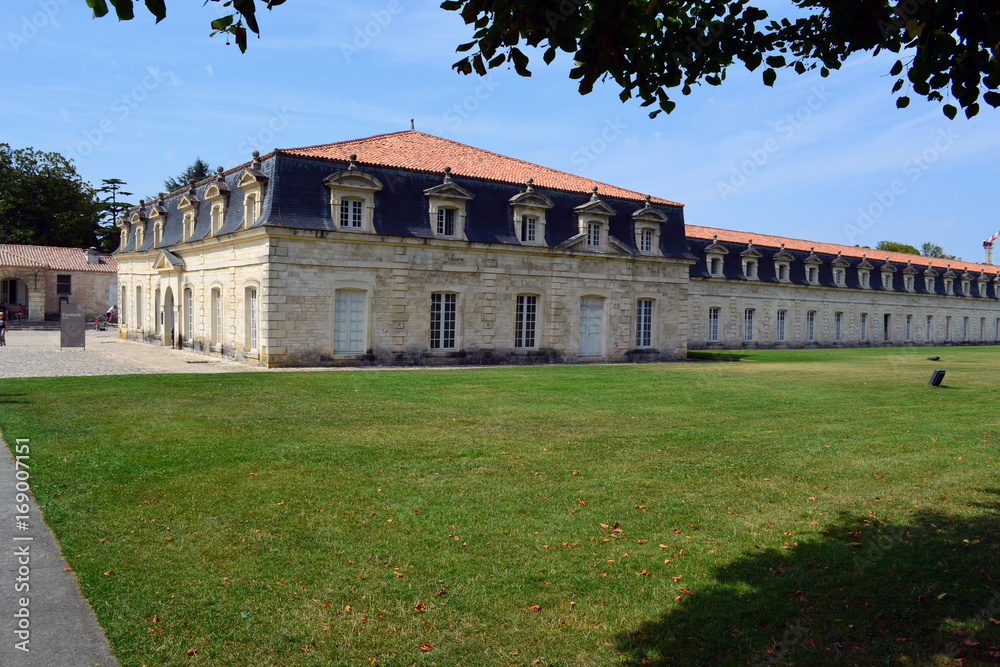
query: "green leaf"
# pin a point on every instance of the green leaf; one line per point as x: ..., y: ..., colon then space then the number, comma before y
x: 99, y: 6
x: 897, y: 68
x: 158, y: 8
x: 451, y: 5
x: 902, y: 102
x: 899, y: 84
x: 950, y: 111
x: 800, y: 68
x: 769, y: 76
x: 247, y: 10
x: 992, y: 98
x: 124, y: 9
x: 520, y: 62
x: 972, y: 110
x: 776, y: 61
x: 222, y: 23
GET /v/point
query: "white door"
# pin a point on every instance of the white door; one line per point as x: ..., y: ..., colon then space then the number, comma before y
x: 349, y: 321
x: 591, y: 314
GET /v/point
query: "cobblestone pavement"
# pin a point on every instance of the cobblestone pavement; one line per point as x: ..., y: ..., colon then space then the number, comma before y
x: 37, y: 354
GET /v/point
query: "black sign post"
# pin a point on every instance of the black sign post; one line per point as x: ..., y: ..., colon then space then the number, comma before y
x: 72, y: 325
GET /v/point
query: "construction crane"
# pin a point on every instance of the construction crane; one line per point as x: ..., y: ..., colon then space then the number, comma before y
x: 988, y: 247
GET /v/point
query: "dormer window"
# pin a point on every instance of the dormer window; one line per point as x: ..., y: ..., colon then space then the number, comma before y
x: 812, y: 263
x: 908, y: 283
x: 529, y: 209
x: 750, y: 259
x: 138, y: 237
x: 251, y: 210
x: 782, y: 264
x: 157, y: 234
x: 645, y: 240
x: 188, y: 226
x: 447, y: 207
x: 714, y: 253
x: 947, y: 285
x: 217, y: 192
x: 647, y: 222
x: 252, y: 181
x: 446, y: 222
x: 351, y: 213
x: 352, y: 198
x: 929, y: 283
x: 863, y: 279
x: 839, y: 270
x: 593, y: 235
x: 886, y: 281
x: 529, y: 229
x: 908, y: 274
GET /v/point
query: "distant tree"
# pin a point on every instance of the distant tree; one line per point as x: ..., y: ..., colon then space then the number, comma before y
x: 893, y: 246
x: 198, y: 171
x: 112, y: 207
x: 933, y: 250
x: 43, y: 201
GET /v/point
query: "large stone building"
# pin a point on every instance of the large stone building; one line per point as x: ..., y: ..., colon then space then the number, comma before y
x: 39, y: 278
x: 410, y: 248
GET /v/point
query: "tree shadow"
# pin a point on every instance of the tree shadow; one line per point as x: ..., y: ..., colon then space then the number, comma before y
x: 867, y: 593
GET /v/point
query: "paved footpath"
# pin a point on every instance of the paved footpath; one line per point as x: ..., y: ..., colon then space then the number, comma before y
x: 37, y: 353
x: 62, y: 630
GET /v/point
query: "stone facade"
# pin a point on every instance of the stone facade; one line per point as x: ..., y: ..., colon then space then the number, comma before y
x: 42, y: 277
x: 411, y: 249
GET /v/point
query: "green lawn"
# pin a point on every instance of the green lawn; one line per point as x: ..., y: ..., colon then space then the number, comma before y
x: 801, y: 507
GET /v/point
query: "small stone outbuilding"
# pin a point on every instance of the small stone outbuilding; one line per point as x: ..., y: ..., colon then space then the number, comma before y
x: 39, y: 278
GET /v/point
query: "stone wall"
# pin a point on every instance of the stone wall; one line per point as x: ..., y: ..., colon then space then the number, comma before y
x: 734, y: 297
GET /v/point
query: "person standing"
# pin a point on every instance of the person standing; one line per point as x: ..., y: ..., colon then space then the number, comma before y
x: 3, y: 326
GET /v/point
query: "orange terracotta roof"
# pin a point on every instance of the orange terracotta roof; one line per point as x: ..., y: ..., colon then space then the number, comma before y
x: 874, y: 256
x: 54, y: 258
x: 425, y: 152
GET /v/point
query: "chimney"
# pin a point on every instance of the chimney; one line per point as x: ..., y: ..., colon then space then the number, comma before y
x: 93, y: 257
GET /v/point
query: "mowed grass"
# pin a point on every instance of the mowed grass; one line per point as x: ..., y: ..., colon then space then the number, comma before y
x: 802, y: 507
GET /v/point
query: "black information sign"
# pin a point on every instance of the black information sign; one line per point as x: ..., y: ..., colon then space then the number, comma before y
x: 72, y: 325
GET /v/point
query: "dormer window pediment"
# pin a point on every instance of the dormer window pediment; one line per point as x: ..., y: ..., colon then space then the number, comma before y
x: 714, y: 254
x: 251, y: 178
x: 188, y: 201
x: 252, y: 181
x: 750, y: 258
x: 593, y: 220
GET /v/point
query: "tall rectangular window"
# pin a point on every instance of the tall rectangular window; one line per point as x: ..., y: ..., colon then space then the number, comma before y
x: 123, y: 307
x: 886, y: 327
x: 965, y: 329
x: 216, y: 316
x: 909, y: 328
x: 927, y: 333
x: 188, y: 314
x: 251, y: 314
x: 947, y: 327
x: 811, y: 326
x: 349, y: 321
x: 446, y: 222
x: 525, y: 318
x: 838, y: 323
x: 713, y: 325
x: 138, y: 307
x: 780, y: 337
x: 593, y: 235
x: 644, y: 323
x: 350, y: 213
x: 444, y: 316
x: 646, y: 240
x: 529, y: 226
x: 156, y: 310
x: 748, y: 325
x: 864, y: 327
x: 982, y: 329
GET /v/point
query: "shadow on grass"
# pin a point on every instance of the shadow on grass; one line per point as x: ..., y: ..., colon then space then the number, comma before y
x: 868, y: 593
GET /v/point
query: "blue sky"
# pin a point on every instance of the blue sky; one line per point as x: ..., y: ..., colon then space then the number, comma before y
x: 830, y: 160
